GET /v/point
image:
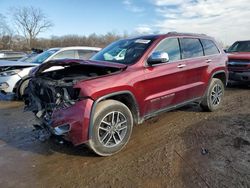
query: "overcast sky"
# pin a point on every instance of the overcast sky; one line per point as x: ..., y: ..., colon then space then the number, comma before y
x: 226, y: 20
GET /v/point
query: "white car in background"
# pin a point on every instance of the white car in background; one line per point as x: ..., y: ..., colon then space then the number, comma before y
x: 14, y: 74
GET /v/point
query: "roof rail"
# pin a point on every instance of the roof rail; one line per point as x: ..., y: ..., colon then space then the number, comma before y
x: 174, y: 32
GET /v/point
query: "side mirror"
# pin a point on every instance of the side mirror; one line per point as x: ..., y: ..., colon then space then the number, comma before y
x: 158, y: 57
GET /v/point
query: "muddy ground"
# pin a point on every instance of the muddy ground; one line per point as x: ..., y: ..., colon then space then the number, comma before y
x: 181, y: 148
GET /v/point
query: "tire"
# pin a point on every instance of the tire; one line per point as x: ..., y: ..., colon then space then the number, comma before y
x: 213, y: 98
x: 110, y: 136
x: 23, y: 85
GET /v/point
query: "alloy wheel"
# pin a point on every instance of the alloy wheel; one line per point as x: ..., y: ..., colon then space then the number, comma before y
x: 216, y: 94
x: 112, y: 129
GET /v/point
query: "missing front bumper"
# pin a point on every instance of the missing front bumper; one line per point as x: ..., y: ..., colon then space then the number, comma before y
x: 61, y: 130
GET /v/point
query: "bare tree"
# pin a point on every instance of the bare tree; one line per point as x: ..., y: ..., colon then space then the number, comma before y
x: 31, y: 22
x: 6, y: 34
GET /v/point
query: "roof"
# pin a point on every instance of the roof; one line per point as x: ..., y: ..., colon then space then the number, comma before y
x: 173, y: 34
x: 242, y: 41
x: 77, y: 48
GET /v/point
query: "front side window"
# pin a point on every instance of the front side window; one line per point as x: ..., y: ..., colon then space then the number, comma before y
x: 170, y: 46
x: 242, y: 46
x: 126, y: 51
x: 190, y: 48
x: 69, y: 54
x: 209, y: 47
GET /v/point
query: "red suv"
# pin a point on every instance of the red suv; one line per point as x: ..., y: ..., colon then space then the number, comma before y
x: 98, y: 101
x: 239, y: 61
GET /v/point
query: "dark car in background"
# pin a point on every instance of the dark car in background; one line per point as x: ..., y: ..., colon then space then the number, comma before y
x: 239, y: 61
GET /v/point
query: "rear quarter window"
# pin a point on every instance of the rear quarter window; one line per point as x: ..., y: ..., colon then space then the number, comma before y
x: 191, y: 48
x: 69, y: 54
x: 86, y: 54
x: 209, y: 47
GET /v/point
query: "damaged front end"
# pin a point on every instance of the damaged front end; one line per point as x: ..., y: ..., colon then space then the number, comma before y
x: 44, y: 96
x: 57, y: 104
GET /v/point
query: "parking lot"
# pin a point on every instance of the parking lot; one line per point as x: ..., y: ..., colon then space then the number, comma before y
x: 181, y: 148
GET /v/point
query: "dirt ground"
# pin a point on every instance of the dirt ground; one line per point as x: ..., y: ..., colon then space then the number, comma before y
x: 181, y: 148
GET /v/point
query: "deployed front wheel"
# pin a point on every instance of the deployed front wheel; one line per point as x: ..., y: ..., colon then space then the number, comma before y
x: 214, y: 95
x: 112, y: 127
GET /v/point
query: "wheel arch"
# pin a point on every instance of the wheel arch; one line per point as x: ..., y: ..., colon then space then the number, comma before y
x: 220, y: 75
x: 18, y: 84
x: 125, y: 97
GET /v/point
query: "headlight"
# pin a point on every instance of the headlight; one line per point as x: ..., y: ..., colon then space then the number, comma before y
x: 10, y: 72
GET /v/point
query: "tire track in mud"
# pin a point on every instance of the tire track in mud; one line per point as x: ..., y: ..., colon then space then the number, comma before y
x: 149, y: 159
x: 149, y: 156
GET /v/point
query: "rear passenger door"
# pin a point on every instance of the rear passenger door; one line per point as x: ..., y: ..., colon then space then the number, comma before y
x: 196, y: 65
x: 211, y: 51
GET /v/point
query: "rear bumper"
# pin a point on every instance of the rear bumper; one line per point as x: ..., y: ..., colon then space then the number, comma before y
x: 239, y: 76
x: 72, y: 123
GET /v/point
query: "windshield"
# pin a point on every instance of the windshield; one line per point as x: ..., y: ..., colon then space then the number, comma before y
x: 28, y: 58
x: 243, y: 46
x: 126, y: 51
x: 43, y: 56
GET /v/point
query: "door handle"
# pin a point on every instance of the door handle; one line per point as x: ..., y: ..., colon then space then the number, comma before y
x: 181, y: 65
x: 208, y: 60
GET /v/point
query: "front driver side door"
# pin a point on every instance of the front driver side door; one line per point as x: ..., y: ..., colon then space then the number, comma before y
x: 163, y: 84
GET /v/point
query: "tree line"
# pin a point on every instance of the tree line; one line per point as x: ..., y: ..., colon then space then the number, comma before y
x: 29, y: 22
x: 19, y: 43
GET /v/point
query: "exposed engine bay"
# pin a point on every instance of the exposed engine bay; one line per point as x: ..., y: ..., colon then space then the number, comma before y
x: 49, y: 90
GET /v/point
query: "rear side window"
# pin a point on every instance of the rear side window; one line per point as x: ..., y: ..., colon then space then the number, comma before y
x: 86, y: 54
x: 69, y: 54
x: 171, y: 46
x: 190, y: 48
x: 209, y: 47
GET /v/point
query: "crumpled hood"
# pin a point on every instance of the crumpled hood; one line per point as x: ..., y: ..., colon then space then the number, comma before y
x: 72, y: 62
x: 6, y: 63
x: 239, y: 55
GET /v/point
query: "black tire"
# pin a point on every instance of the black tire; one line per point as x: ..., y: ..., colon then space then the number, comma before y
x: 212, y: 100
x: 103, y: 135
x: 22, y: 86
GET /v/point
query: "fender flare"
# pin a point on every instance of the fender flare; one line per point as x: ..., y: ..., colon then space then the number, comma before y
x: 218, y: 72
x: 91, y: 124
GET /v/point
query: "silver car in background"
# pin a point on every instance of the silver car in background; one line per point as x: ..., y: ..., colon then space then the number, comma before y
x: 11, y: 55
x: 14, y: 74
